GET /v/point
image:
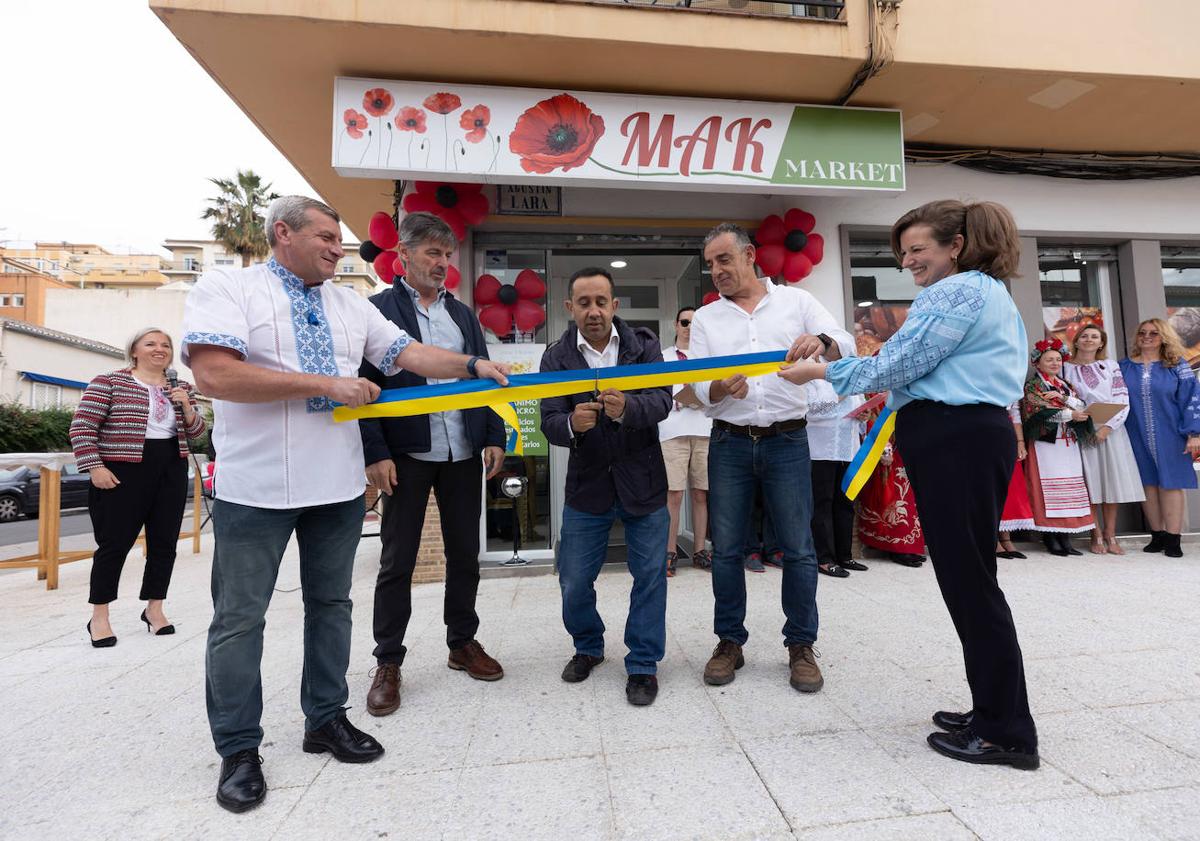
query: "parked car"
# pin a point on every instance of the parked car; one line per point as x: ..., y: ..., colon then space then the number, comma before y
x: 21, y: 491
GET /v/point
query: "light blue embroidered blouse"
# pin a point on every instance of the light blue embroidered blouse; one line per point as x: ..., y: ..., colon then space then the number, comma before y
x: 962, y: 343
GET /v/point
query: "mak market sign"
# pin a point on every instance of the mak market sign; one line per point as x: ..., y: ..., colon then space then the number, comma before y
x: 437, y: 131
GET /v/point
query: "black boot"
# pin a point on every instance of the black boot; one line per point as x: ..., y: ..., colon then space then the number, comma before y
x: 1171, y: 545
x: 1053, y: 546
x: 1158, y: 542
x: 1064, y: 540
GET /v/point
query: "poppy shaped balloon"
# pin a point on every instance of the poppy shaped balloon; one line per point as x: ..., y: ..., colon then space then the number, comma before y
x: 458, y: 205
x: 384, y: 265
x: 503, y: 305
x: 382, y: 231
x: 787, y: 246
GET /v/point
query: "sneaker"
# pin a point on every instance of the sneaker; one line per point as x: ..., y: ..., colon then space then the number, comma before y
x: 754, y: 562
x: 774, y: 559
x: 641, y: 690
x: 805, y: 674
x: 725, y: 661
x: 702, y: 559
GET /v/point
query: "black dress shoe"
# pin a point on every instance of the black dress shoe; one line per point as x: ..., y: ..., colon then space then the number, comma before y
x: 579, y: 667
x: 345, y: 741
x: 103, y: 642
x: 641, y: 690
x: 1008, y: 556
x: 1054, y: 546
x: 242, y: 785
x: 832, y: 569
x: 854, y: 565
x: 965, y: 746
x: 1064, y: 540
x: 907, y: 559
x: 1015, y: 555
x: 950, y: 722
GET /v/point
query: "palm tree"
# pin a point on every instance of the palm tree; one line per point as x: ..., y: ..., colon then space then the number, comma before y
x: 238, y: 222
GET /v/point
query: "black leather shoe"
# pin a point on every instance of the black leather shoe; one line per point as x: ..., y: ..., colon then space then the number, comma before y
x: 641, y: 690
x: 965, y: 746
x: 242, y: 785
x: 345, y: 741
x: 579, y: 667
x: 854, y: 565
x: 950, y: 722
x: 834, y: 570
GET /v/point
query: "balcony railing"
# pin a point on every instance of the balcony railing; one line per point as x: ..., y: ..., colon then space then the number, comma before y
x: 821, y: 9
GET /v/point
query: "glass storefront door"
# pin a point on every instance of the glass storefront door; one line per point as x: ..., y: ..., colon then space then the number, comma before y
x: 1077, y: 290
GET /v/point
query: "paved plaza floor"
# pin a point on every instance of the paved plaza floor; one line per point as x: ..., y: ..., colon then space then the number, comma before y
x: 113, y: 743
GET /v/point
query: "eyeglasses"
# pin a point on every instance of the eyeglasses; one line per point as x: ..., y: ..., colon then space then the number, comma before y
x: 685, y: 322
x: 1150, y: 335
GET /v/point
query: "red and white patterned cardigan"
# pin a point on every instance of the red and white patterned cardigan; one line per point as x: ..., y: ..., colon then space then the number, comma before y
x: 110, y: 423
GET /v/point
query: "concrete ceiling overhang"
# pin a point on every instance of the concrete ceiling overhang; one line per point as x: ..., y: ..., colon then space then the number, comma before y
x: 277, y: 60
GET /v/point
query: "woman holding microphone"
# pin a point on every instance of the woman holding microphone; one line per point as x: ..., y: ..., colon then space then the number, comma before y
x: 953, y: 368
x: 130, y: 433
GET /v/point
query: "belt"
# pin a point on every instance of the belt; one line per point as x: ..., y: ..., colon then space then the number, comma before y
x: 757, y: 432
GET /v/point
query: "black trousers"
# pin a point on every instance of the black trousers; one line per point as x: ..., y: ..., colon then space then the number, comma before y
x: 960, y: 460
x: 152, y: 493
x: 833, y: 514
x: 456, y: 486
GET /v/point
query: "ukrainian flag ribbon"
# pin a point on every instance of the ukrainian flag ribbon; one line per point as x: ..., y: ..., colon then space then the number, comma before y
x: 473, y: 394
x: 868, y: 454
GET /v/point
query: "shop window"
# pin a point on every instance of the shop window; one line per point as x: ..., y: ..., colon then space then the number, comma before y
x: 1181, y: 282
x: 1074, y: 283
x: 882, y: 293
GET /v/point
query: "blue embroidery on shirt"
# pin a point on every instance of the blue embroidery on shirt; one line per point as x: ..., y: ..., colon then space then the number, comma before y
x: 389, y: 358
x: 314, y: 339
x: 218, y: 339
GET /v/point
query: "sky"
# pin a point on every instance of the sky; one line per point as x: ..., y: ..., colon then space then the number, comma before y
x: 110, y: 129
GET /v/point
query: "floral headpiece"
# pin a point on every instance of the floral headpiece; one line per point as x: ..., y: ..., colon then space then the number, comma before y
x: 1049, y: 344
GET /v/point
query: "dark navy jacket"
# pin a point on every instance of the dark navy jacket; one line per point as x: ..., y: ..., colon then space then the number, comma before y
x: 385, y: 438
x: 611, y: 460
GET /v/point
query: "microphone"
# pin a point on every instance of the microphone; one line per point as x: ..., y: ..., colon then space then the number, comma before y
x: 172, y: 381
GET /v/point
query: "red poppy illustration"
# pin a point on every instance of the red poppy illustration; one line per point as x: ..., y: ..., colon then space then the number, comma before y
x: 378, y: 102
x: 459, y: 205
x: 557, y: 132
x: 411, y: 119
x: 502, y: 305
x: 475, y: 121
x: 443, y: 103
x: 356, y: 123
x: 788, y: 246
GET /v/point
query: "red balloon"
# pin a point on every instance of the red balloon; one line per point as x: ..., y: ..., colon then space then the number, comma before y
x: 487, y: 290
x: 709, y: 297
x: 771, y: 231
x: 814, y: 249
x: 796, y: 266
x: 529, y: 316
x: 770, y: 259
x: 382, y: 231
x: 453, y: 278
x: 398, y: 267
x: 472, y: 206
x: 530, y: 286
x: 797, y: 218
x: 498, y: 319
x: 383, y: 265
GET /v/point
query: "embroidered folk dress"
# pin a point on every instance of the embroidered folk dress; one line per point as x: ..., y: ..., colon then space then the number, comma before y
x: 887, y: 510
x: 1058, y: 494
x: 1164, y: 408
x: 1018, y: 514
x: 288, y: 453
x: 1109, y: 468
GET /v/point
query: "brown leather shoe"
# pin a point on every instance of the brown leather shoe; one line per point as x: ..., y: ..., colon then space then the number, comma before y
x: 384, y: 696
x: 725, y: 661
x: 806, y: 676
x: 476, y: 662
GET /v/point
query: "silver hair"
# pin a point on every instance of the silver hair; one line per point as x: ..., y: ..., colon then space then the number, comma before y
x: 419, y: 228
x: 740, y: 238
x: 143, y: 333
x: 293, y: 212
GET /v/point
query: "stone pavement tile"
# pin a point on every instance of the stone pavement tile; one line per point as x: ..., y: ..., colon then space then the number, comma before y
x: 1083, y: 818
x: 1045, y: 696
x: 890, y: 696
x: 942, y: 826
x: 1173, y: 814
x: 760, y: 703
x: 963, y: 784
x: 683, y: 714
x: 412, y: 807
x: 1175, y: 723
x: 1110, y: 758
x: 1135, y: 677
x: 850, y: 778
x: 536, y: 716
x: 694, y: 793
x: 509, y: 801
x: 200, y: 819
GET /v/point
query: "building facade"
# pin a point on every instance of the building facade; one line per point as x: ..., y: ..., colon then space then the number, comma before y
x: 86, y: 265
x: 681, y: 115
x: 43, y: 368
x: 190, y: 258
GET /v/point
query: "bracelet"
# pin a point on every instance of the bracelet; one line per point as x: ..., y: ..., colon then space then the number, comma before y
x: 471, y: 363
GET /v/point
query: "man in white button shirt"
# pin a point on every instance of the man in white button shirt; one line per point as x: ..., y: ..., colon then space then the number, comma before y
x: 758, y: 439
x: 277, y: 345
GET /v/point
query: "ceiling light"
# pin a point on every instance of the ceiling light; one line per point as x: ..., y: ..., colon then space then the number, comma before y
x: 618, y: 264
x: 866, y: 303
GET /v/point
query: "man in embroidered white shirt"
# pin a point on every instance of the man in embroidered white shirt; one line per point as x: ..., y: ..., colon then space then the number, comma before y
x: 277, y: 346
x: 758, y: 439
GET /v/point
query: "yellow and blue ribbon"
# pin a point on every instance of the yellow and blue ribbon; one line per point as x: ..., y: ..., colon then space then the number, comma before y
x: 868, y: 454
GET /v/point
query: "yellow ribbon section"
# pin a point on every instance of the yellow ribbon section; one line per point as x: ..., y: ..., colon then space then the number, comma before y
x: 508, y: 413
x: 882, y: 432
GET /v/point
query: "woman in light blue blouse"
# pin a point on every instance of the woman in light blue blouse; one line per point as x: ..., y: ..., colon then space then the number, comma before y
x: 953, y: 368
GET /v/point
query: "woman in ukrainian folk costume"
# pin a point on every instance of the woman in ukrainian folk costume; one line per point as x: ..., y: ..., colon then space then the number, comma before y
x: 1017, y: 514
x: 887, y: 510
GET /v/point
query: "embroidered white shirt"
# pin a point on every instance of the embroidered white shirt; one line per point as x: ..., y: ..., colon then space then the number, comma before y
x: 831, y: 435
x: 160, y: 422
x: 287, y: 453
x: 723, y: 328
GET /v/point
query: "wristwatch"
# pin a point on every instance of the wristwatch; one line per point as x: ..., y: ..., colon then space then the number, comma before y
x: 825, y: 340
x: 471, y: 363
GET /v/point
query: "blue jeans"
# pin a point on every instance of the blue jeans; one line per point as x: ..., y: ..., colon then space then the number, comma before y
x: 249, y: 547
x: 780, y: 463
x: 580, y: 556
